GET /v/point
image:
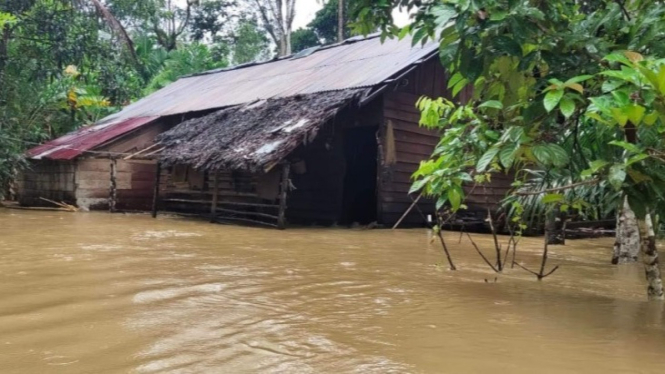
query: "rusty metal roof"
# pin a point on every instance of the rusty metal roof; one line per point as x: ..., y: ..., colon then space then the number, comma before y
x: 84, y: 139
x: 354, y: 63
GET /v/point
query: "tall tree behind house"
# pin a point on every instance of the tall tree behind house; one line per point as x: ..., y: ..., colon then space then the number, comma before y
x: 277, y: 17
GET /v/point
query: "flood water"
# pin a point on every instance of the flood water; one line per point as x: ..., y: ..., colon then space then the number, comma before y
x: 101, y: 293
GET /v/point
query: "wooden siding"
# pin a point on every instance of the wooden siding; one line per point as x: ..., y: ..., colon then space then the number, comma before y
x: 318, y: 194
x: 412, y: 144
x: 134, y: 184
x: 48, y: 179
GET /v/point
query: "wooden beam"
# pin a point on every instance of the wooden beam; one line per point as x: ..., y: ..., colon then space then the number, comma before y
x: 215, y: 196
x: 155, y: 194
x: 113, y: 192
x: 247, y: 213
x: 281, y: 221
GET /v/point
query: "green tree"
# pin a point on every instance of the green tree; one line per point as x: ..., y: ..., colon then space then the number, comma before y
x: 541, y: 73
x: 304, y: 38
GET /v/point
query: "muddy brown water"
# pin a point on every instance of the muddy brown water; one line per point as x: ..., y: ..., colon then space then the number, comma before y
x: 101, y: 293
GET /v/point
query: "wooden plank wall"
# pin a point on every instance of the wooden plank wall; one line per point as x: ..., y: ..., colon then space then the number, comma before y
x: 413, y: 144
x: 49, y: 179
x: 318, y: 197
x: 194, y: 189
x: 134, y: 184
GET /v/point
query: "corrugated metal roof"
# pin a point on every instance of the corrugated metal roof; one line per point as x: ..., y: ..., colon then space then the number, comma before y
x: 78, y: 142
x: 355, y: 63
x: 352, y: 64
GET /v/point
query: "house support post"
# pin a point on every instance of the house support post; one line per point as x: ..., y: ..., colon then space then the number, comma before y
x: 155, y: 191
x: 281, y: 220
x: 215, y: 196
x: 113, y: 192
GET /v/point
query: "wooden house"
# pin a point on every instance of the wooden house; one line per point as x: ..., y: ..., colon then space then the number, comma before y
x: 329, y: 135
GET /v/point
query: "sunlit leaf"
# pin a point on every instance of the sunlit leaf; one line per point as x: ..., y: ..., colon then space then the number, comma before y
x: 486, y: 159
x: 491, y: 104
x: 552, y: 99
x: 552, y: 198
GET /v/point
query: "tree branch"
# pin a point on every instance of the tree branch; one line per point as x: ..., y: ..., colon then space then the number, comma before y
x: 557, y: 189
x: 623, y: 9
x: 481, y: 253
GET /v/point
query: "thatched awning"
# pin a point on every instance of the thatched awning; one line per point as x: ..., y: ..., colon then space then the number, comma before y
x: 252, y: 137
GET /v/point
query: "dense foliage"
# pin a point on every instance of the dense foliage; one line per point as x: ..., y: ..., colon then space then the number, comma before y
x: 541, y: 73
x: 68, y: 63
x: 567, y: 95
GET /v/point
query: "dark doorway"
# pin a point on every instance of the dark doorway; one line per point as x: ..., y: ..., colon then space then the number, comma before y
x: 360, y: 151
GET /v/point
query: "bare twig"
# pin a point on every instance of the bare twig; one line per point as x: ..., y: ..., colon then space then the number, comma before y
x: 623, y: 9
x: 481, y: 254
x: 445, y: 249
x: 414, y: 203
x: 551, y: 272
x: 530, y: 271
x: 497, y: 246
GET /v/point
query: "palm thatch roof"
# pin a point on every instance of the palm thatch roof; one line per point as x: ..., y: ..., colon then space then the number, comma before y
x: 252, y: 137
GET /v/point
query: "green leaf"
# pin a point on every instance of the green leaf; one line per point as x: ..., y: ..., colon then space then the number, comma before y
x: 567, y: 106
x: 443, y: 14
x: 597, y: 165
x: 578, y: 79
x: 651, y: 118
x: 559, y: 156
x: 552, y: 99
x: 419, y: 36
x: 637, y: 203
x: 507, y: 155
x: 638, y: 177
x: 486, y: 159
x: 636, y: 158
x: 498, y: 15
x: 491, y: 104
x: 455, y: 199
x: 441, y: 201
x: 418, y: 185
x: 635, y: 113
x: 625, y: 145
x: 542, y: 154
x: 507, y: 45
x: 552, y: 198
x: 617, y: 176
x: 611, y: 85
x: 403, y: 32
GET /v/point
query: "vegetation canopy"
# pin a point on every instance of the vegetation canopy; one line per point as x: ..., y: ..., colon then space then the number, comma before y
x: 567, y: 95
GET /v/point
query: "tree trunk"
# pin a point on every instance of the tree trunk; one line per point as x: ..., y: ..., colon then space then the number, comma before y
x: 627, y: 243
x: 287, y: 42
x: 650, y: 258
x: 340, y: 21
x: 553, y: 236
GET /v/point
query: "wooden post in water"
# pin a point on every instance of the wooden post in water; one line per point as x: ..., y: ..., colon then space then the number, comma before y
x: 155, y: 193
x: 215, y: 196
x: 113, y: 192
x: 281, y: 220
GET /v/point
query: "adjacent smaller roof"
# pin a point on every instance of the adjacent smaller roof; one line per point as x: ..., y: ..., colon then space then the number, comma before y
x: 252, y: 137
x: 84, y: 139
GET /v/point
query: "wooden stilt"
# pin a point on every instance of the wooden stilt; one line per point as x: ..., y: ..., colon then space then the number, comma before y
x: 113, y: 192
x: 215, y: 196
x: 155, y: 194
x: 281, y: 220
